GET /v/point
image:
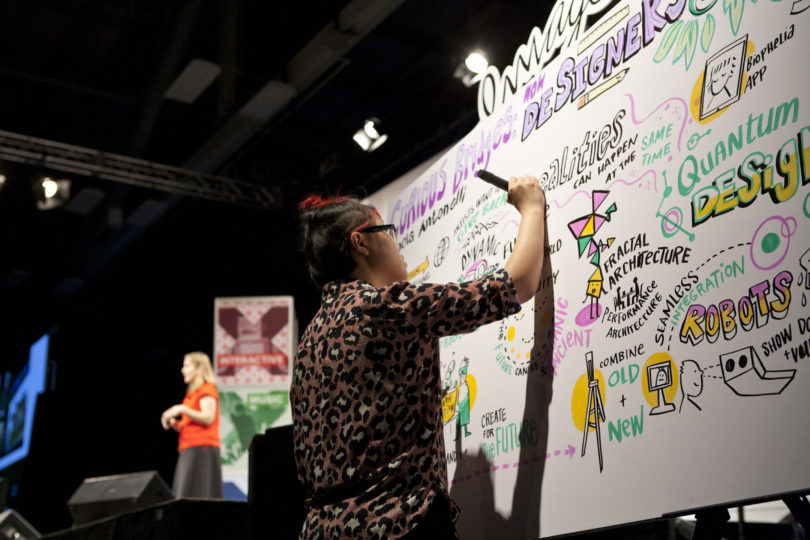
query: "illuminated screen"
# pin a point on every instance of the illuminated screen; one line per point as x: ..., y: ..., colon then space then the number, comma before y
x: 22, y: 400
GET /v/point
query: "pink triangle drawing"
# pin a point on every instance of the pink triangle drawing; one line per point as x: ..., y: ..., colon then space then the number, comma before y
x: 598, y: 197
x: 578, y: 225
x: 597, y: 222
x: 592, y: 248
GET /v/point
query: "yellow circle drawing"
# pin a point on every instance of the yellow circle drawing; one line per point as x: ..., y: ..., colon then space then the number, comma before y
x: 510, y: 334
x: 450, y: 399
x: 665, y: 378
x: 579, y: 398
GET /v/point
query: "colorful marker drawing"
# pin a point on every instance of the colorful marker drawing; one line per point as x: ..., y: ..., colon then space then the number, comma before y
x: 746, y: 375
x: 458, y: 402
x: 602, y: 88
x: 584, y: 230
x: 419, y: 269
x: 722, y: 78
x: 463, y: 400
x: 602, y: 29
x: 671, y: 219
x: 771, y: 241
x: 659, y: 378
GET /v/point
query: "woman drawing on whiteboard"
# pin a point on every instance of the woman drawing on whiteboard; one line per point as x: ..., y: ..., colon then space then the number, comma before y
x: 366, y: 390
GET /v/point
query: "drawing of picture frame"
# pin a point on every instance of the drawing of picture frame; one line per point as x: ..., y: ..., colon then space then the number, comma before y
x: 722, y: 78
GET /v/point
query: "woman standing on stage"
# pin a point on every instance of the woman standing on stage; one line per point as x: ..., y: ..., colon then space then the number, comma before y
x: 198, y: 472
x: 366, y: 392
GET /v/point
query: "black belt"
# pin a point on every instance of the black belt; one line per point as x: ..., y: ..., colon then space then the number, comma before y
x: 337, y: 494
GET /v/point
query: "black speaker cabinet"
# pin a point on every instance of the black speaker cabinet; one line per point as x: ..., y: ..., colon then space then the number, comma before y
x: 107, y: 496
x: 275, y: 497
x: 14, y: 527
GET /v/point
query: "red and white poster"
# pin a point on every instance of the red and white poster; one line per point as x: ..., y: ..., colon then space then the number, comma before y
x: 254, y: 339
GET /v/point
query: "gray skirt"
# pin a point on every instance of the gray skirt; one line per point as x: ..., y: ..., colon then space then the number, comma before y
x: 198, y: 473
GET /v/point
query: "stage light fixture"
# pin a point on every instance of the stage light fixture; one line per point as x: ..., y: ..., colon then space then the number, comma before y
x: 50, y: 193
x: 369, y: 137
x: 2, y: 180
x: 476, y: 61
x: 472, y: 68
x: 49, y: 187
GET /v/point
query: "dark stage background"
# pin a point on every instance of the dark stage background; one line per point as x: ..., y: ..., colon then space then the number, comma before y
x: 126, y: 285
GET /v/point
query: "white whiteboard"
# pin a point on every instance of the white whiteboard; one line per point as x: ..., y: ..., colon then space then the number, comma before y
x: 678, y: 215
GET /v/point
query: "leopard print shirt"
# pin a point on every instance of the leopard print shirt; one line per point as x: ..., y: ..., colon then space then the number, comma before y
x: 366, y: 400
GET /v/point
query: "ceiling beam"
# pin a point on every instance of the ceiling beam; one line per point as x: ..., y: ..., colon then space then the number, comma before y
x: 171, y: 55
x: 315, y: 59
x: 131, y: 171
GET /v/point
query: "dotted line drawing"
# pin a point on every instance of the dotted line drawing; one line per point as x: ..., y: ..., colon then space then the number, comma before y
x: 494, y: 468
x: 713, y: 366
x: 742, y: 244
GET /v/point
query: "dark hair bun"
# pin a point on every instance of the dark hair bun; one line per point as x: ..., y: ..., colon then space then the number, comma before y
x: 325, y: 224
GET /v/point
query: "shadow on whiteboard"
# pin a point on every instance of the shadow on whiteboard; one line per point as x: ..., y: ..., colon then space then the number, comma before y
x: 473, y: 482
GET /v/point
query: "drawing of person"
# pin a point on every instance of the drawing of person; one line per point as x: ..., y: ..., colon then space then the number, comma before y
x: 720, y: 75
x: 463, y: 418
x: 691, y: 382
x: 661, y: 378
x: 617, y: 302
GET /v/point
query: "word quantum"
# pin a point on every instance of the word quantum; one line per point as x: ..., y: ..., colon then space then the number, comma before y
x: 758, y: 173
x: 755, y: 176
x: 753, y: 309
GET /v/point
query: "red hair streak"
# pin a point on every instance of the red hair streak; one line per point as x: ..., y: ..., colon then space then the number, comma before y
x: 316, y: 201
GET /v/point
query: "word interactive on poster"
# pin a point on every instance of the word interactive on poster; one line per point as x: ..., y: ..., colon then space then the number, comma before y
x: 254, y: 343
x: 664, y: 363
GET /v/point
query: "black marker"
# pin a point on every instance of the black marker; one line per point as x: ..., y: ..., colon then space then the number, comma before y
x: 490, y: 178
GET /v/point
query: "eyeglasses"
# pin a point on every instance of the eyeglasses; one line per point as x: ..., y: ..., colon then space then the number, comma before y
x: 390, y: 229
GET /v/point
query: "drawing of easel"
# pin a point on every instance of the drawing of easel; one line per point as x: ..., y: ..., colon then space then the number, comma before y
x: 594, y: 408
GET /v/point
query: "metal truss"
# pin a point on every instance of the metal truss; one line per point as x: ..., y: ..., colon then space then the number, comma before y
x: 137, y: 172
